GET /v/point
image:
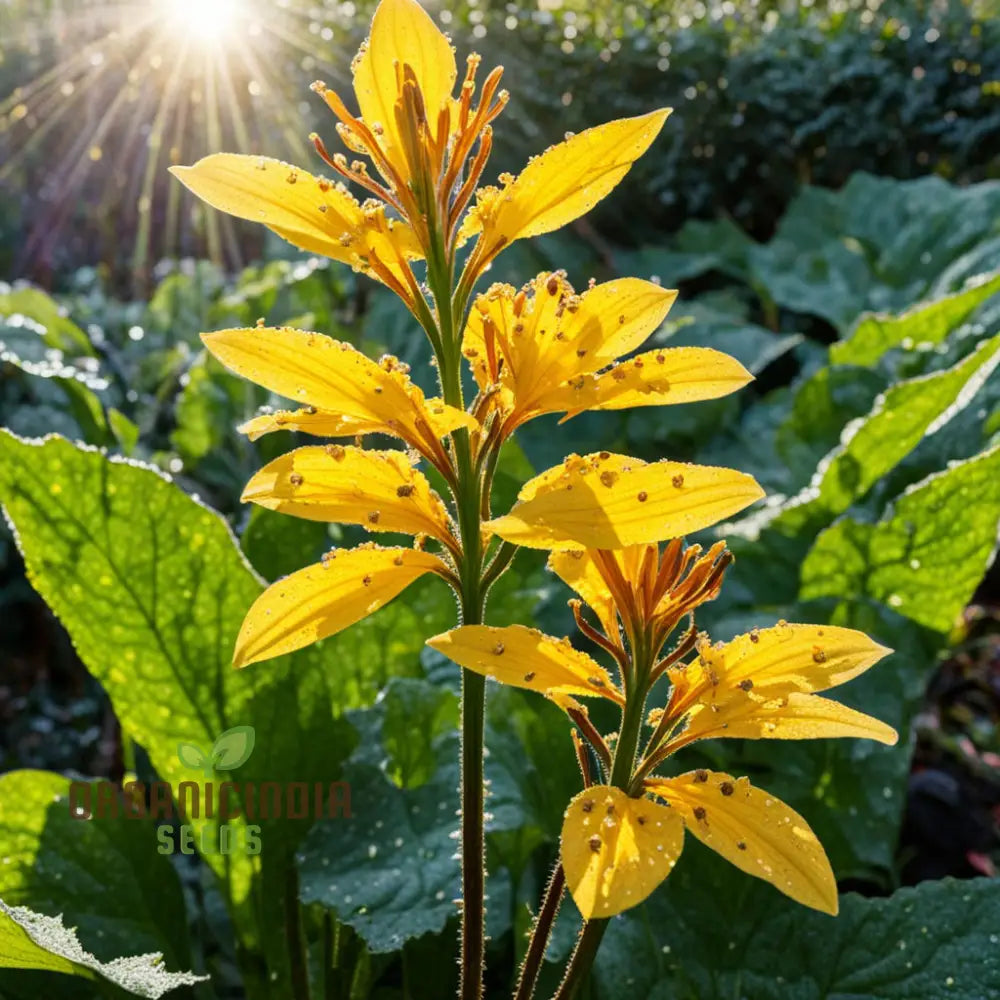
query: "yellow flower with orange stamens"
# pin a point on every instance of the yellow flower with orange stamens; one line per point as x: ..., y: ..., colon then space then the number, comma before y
x: 429, y: 150
x: 620, y: 841
x: 545, y: 349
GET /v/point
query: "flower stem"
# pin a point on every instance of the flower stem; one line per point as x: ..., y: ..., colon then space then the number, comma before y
x: 473, y: 842
x: 540, y: 934
x: 468, y: 502
x: 583, y: 958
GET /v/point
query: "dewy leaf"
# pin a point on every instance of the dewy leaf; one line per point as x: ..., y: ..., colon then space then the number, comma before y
x: 233, y: 748
x: 928, y: 553
x: 874, y: 444
x: 30, y: 940
x: 152, y: 589
x: 60, y: 332
x: 926, y: 324
x: 694, y: 940
x: 102, y: 873
x: 616, y: 850
x: 390, y: 871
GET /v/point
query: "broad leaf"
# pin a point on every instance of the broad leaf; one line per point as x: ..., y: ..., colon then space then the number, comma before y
x: 152, y: 590
x: 693, y: 941
x: 103, y: 873
x: 926, y: 556
x: 30, y: 940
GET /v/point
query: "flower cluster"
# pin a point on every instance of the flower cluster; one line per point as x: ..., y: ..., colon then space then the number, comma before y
x: 621, y: 840
x: 428, y: 231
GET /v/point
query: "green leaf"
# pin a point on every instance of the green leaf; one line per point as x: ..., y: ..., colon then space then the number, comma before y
x: 929, y: 324
x: 153, y: 589
x: 125, y: 431
x: 876, y: 245
x: 388, y: 872
x: 30, y: 940
x: 926, y: 556
x: 233, y: 748
x: 693, y: 941
x: 102, y: 873
x: 58, y: 331
x: 874, y: 444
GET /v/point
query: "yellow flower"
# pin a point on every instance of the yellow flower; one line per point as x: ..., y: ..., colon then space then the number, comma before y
x: 347, y: 394
x: 546, y: 349
x: 618, y: 844
x: 428, y: 148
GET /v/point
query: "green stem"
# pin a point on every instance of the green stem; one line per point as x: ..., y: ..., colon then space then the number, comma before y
x: 468, y: 498
x: 583, y: 958
x: 540, y: 934
x: 294, y: 937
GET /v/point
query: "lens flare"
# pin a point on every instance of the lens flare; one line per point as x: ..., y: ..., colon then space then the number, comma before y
x: 112, y: 92
x: 207, y: 20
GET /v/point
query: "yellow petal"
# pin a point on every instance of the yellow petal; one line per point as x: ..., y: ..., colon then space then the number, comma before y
x: 309, y: 420
x: 404, y: 34
x: 796, y: 716
x: 325, y: 598
x: 616, y: 850
x: 564, y: 182
x: 579, y: 572
x: 306, y: 210
x: 377, y: 489
x: 755, y: 831
x: 525, y: 658
x: 441, y: 418
x: 554, y: 336
x: 655, y: 378
x: 606, y: 501
x: 337, y: 378
x: 781, y: 659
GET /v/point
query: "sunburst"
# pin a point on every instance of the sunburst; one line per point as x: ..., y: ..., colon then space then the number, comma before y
x: 116, y: 92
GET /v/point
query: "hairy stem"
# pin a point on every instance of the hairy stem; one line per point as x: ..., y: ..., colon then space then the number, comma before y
x: 468, y: 502
x: 540, y: 934
x: 583, y: 958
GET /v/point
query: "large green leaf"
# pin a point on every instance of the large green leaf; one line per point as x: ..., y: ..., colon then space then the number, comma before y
x: 102, y: 873
x: 897, y: 422
x: 926, y: 556
x: 30, y: 940
x: 152, y: 589
x: 714, y: 934
x: 927, y: 324
x: 875, y: 245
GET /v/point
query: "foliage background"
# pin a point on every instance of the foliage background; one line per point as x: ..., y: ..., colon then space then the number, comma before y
x: 824, y: 196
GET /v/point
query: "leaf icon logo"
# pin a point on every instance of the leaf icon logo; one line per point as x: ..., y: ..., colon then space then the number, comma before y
x: 231, y: 750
